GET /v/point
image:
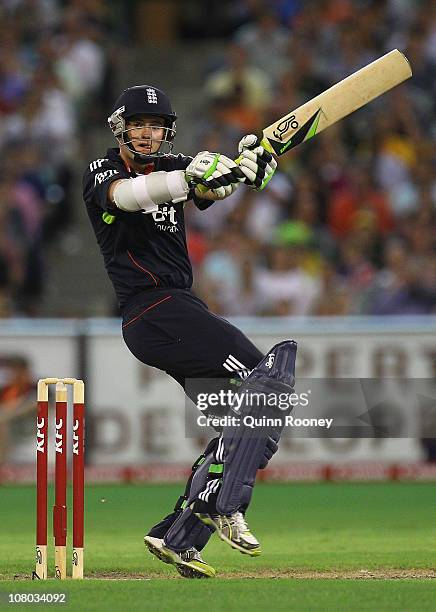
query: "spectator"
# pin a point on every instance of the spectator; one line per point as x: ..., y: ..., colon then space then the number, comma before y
x: 46, y: 118
x: 263, y: 38
x: 13, y: 82
x: 81, y: 62
x: 334, y: 297
x: 227, y: 274
x: 282, y: 287
x: 12, y: 255
x: 401, y: 287
x: 358, y: 198
x: 238, y: 78
x: 356, y: 273
x: 266, y: 209
x: 16, y: 385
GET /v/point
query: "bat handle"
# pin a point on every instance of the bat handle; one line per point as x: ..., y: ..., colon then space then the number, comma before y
x: 262, y: 142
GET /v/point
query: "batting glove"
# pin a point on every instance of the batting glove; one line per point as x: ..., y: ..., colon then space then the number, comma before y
x: 217, y: 173
x: 255, y: 162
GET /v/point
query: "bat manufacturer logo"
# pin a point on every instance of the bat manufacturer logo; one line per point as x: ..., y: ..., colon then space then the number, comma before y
x: 284, y: 125
x: 270, y: 362
x: 305, y: 132
x: 38, y: 555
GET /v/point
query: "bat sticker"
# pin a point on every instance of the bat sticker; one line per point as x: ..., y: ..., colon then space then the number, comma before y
x: 283, y: 126
x: 307, y: 130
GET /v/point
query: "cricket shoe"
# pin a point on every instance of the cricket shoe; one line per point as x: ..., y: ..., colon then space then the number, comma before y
x: 234, y: 531
x: 188, y: 563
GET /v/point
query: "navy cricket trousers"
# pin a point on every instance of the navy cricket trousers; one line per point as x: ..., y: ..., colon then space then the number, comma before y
x: 173, y: 330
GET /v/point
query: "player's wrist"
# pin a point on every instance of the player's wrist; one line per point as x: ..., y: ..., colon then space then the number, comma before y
x: 146, y: 192
x: 213, y: 176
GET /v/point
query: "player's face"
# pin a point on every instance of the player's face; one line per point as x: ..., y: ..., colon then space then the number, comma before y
x: 145, y: 133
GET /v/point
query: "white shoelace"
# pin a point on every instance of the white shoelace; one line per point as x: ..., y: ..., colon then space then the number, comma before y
x: 192, y: 554
x: 240, y: 522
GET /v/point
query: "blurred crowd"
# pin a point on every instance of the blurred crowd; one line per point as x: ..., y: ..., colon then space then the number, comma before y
x: 54, y: 69
x: 17, y: 403
x: 346, y: 226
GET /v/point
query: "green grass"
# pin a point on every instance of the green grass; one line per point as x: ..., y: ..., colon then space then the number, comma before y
x: 304, y: 527
x: 261, y: 594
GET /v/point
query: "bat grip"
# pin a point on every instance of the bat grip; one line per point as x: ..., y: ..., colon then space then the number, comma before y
x: 260, y: 142
x: 202, y: 184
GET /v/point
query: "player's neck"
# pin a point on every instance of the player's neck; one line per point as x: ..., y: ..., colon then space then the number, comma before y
x: 134, y: 166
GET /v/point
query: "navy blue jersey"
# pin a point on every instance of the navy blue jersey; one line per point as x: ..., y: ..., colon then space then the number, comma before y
x: 140, y: 251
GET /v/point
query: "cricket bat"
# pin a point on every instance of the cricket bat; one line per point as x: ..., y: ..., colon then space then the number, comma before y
x: 337, y: 102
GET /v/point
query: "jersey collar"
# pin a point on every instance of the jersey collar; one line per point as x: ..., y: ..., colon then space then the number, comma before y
x: 114, y: 154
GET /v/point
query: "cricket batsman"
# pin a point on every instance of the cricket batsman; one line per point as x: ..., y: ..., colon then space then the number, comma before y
x: 135, y: 196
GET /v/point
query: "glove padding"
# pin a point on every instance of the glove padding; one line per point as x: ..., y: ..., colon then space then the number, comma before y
x: 255, y: 162
x: 216, y: 172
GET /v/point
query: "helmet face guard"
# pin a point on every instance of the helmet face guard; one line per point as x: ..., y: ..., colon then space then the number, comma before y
x: 143, y: 100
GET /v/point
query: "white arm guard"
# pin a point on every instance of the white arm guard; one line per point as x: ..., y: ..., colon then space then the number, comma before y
x: 145, y: 192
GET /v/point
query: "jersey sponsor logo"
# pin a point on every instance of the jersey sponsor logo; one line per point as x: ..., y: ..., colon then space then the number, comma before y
x: 151, y: 95
x: 101, y: 177
x: 165, y: 219
x: 97, y: 164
